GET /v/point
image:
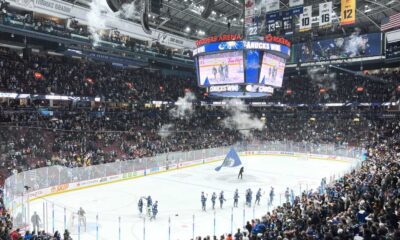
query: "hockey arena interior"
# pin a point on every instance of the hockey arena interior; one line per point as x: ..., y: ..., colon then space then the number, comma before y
x: 199, y: 119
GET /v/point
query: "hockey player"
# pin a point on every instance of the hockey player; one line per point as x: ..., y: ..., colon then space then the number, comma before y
x: 149, y: 201
x: 213, y: 199
x: 221, y: 199
x: 258, y: 197
x: 271, y: 196
x: 140, y: 205
x: 240, y: 175
x: 82, y: 218
x: 154, y: 210
x: 203, y: 201
x: 236, y: 198
x: 249, y: 197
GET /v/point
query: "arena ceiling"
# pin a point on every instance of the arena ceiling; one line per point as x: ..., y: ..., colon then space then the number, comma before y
x: 183, y: 17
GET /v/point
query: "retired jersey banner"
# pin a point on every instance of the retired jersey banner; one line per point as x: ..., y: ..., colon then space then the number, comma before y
x: 348, y: 12
x: 249, y: 12
x: 294, y: 3
x: 272, y: 5
x: 287, y: 21
x: 305, y: 19
x: 325, y: 14
x: 271, y: 21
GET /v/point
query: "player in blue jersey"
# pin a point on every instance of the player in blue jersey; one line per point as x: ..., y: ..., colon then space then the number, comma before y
x: 271, y: 196
x: 140, y: 205
x: 154, y: 210
x: 149, y: 201
x: 258, y: 197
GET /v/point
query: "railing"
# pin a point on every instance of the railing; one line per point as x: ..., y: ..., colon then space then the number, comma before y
x: 21, y: 190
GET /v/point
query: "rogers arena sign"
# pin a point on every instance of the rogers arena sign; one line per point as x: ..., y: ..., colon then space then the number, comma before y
x: 237, y: 37
x: 221, y: 38
x: 274, y: 39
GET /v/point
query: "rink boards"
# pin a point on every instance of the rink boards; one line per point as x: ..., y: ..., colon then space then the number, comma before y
x: 68, y: 187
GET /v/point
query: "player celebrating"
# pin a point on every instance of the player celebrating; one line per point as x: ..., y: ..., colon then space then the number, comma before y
x: 82, y: 218
x: 213, y: 199
x: 236, y: 198
x: 221, y: 199
x: 258, y: 197
x: 203, y: 201
x: 140, y: 205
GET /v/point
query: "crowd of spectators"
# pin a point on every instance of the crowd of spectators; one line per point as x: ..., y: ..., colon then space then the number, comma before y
x: 44, y: 74
x: 364, y: 203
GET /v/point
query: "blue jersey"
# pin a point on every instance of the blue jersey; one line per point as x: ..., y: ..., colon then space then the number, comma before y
x: 155, y: 209
x: 258, y: 195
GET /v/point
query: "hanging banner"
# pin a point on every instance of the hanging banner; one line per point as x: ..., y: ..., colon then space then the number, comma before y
x: 348, y: 12
x: 287, y: 21
x: 305, y: 19
x: 271, y: 22
x: 272, y: 5
x: 325, y: 14
x: 249, y: 12
x: 294, y: 3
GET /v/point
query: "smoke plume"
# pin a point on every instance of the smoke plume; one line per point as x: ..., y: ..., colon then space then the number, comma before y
x: 183, y: 107
x: 100, y: 13
x: 240, y: 119
x: 165, y: 130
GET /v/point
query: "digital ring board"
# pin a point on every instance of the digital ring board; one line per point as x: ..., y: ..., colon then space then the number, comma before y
x: 239, y: 68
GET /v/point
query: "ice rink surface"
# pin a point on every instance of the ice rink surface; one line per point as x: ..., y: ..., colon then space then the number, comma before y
x: 178, y: 195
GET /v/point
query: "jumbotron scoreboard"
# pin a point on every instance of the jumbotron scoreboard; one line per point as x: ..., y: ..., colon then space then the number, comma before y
x: 229, y: 66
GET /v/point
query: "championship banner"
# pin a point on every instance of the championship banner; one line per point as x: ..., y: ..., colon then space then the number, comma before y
x: 272, y: 5
x: 305, y: 19
x: 294, y: 3
x: 348, y: 12
x: 325, y: 14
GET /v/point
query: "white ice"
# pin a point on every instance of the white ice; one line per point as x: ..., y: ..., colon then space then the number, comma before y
x: 178, y: 195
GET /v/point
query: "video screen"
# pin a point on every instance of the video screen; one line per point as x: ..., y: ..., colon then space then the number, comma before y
x: 272, y: 69
x: 221, y: 68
